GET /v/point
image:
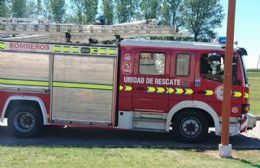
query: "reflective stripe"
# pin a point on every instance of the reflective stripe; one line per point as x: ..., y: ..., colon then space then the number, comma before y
x: 179, y: 91
x: 66, y: 49
x: 55, y: 84
x: 56, y: 49
x: 209, y: 92
x: 24, y: 82
x: 59, y: 48
x: 102, y: 51
x: 125, y: 88
x: 151, y: 89
x: 170, y: 91
x: 160, y: 90
x: 188, y: 91
x: 93, y: 50
x: 75, y: 50
x: 112, y: 51
x: 82, y: 86
x: 246, y: 95
x: 237, y: 94
x: 128, y: 88
x: 2, y: 45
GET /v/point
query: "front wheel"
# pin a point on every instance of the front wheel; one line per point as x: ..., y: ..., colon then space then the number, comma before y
x: 24, y: 121
x: 190, y: 126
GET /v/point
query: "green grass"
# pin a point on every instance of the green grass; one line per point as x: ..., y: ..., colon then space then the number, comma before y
x: 254, y: 85
x: 59, y: 157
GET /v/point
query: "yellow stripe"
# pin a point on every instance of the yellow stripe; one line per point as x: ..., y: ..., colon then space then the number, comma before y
x: 56, y: 49
x: 170, y: 90
x: 66, y: 49
x: 82, y: 85
x: 2, y: 45
x: 55, y: 84
x: 112, y: 51
x: 179, y: 91
x: 246, y: 95
x: 93, y: 50
x: 188, y: 92
x: 237, y: 94
x: 75, y: 49
x: 23, y: 82
x: 128, y: 88
x: 160, y: 90
x: 151, y: 89
x: 209, y: 92
x: 102, y: 51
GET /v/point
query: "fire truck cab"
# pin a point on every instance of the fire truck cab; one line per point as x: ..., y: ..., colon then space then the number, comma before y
x: 145, y: 85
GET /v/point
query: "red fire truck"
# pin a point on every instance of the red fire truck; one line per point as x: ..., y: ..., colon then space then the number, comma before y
x: 144, y: 85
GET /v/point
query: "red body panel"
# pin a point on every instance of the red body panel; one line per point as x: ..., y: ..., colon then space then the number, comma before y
x: 139, y: 100
x: 4, y: 95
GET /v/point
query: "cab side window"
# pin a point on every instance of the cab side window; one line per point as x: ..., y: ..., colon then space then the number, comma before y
x: 182, y: 65
x: 212, y: 66
x: 151, y: 63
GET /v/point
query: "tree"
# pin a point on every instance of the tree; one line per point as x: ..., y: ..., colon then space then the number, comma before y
x: 126, y: 10
x: 18, y: 8
x: 57, y: 10
x: 150, y: 8
x: 86, y: 10
x: 31, y: 9
x: 90, y: 10
x: 78, y: 8
x: 108, y: 10
x: 3, y: 8
x: 201, y: 17
x: 171, y: 12
x: 39, y: 8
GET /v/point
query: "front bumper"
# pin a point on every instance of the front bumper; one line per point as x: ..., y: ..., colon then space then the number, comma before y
x: 251, y: 121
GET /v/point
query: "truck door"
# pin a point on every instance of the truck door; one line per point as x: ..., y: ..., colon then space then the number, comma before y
x: 182, y: 72
x: 149, y: 82
x: 210, y: 77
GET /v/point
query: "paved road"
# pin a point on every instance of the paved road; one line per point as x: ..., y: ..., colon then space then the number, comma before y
x: 112, y: 138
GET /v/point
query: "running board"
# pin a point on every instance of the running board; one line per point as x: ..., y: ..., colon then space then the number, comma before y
x: 146, y: 121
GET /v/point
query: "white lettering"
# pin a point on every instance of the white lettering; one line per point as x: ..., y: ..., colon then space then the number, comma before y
x: 152, y: 81
x: 137, y: 80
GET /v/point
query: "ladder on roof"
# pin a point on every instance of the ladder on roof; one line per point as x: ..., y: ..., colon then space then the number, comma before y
x: 45, y: 31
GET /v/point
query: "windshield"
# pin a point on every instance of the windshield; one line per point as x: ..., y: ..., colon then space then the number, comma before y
x: 244, y: 70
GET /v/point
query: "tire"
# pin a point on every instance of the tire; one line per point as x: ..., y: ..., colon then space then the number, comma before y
x: 24, y: 121
x: 190, y: 126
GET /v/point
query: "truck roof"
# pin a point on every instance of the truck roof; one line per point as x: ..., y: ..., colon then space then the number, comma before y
x: 173, y: 44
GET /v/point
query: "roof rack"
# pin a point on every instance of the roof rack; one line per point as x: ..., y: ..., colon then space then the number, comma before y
x: 45, y: 31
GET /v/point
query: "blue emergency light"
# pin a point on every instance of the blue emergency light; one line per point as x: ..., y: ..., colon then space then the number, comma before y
x: 222, y: 40
x: 219, y: 40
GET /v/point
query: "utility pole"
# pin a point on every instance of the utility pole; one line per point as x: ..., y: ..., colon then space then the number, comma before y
x: 258, y: 63
x: 225, y: 149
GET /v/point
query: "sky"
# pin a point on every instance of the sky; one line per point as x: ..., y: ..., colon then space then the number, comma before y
x: 247, y: 28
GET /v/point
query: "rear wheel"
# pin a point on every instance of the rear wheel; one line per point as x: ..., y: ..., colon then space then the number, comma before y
x: 190, y: 126
x: 24, y: 121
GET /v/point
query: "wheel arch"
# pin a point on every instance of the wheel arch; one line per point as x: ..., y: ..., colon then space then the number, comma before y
x: 26, y: 100
x: 204, y: 107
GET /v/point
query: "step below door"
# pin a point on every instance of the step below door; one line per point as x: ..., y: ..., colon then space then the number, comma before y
x: 83, y: 88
